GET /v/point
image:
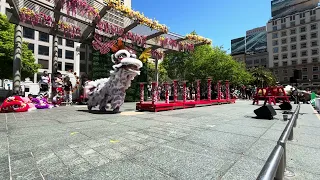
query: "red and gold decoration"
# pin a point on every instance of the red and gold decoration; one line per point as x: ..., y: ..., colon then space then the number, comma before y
x: 198, y: 38
x: 80, y: 7
x: 209, y: 89
x: 29, y: 16
x: 136, y: 15
x: 198, y: 90
x: 141, y: 92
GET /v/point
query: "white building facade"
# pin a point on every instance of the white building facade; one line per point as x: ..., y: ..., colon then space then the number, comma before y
x: 71, y: 55
x: 293, y: 43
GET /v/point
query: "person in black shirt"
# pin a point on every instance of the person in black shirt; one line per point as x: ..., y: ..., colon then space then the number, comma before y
x: 67, y: 85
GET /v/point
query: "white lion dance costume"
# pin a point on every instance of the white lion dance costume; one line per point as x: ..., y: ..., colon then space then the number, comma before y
x: 113, y: 89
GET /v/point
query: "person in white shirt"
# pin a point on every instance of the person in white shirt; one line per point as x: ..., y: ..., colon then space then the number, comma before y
x: 44, y: 82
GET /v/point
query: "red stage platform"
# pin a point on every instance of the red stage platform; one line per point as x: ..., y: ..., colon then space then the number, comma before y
x: 155, y: 105
x: 163, y: 106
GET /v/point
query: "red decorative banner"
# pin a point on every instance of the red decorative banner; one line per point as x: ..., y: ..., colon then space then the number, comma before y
x: 29, y: 16
x: 140, y: 40
x: 103, y: 47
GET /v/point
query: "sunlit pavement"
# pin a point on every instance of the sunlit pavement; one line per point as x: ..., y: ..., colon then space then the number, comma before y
x: 213, y: 142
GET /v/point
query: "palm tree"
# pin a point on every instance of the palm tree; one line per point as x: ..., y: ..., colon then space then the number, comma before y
x: 262, y: 76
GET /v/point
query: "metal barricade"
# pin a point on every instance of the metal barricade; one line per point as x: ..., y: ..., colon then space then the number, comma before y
x: 275, y: 167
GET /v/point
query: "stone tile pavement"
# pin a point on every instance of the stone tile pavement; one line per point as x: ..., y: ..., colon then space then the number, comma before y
x: 213, y: 142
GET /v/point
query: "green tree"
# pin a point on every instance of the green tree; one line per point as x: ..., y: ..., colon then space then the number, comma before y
x: 214, y: 62
x: 28, y: 65
x: 163, y: 75
x: 262, y: 76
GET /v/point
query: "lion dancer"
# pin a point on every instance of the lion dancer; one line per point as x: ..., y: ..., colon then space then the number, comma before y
x: 112, y: 90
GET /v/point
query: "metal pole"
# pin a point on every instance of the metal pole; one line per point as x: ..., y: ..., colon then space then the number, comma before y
x: 281, y: 169
x: 17, y: 59
x: 156, y: 62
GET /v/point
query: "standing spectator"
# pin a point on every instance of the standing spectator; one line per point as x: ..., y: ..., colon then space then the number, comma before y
x: 67, y: 85
x: 44, y: 82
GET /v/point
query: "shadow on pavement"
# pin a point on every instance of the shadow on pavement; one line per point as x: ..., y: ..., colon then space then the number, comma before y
x: 99, y: 112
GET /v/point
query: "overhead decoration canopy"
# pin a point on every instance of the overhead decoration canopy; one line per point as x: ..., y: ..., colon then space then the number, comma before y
x: 90, y: 21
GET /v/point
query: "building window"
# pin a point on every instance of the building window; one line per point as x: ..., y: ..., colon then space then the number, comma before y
x: 304, y: 69
x: 43, y: 37
x: 284, y: 41
x: 275, y: 42
x: 82, y: 56
x: 313, y: 26
x: 274, y: 28
x: 285, y: 79
x: 284, y: 48
x: 304, y: 77
x: 275, y: 71
x: 293, y: 62
x: 60, y: 53
x: 59, y: 40
x: 284, y: 56
x: 293, y: 17
x: 69, y: 43
x: 303, y: 45
x: 285, y: 63
x: 293, y: 47
x: 275, y: 57
x: 69, y: 55
x: 293, y: 31
x: 302, y: 21
x: 275, y: 64
x: 274, y: 22
x: 43, y: 50
x: 314, y: 52
x: 314, y: 43
x: 314, y: 35
x: 285, y: 71
x: 28, y: 33
x: 31, y: 47
x: 283, y: 20
x: 315, y: 59
x: 293, y: 39
x: 274, y: 35
x: 294, y: 54
x: 68, y: 66
x: 303, y: 37
x: 44, y: 63
x: 315, y: 68
x: 283, y: 33
x: 59, y: 66
x: 303, y: 29
x: 304, y: 53
x: 312, y: 12
x: 304, y: 61
x: 315, y: 76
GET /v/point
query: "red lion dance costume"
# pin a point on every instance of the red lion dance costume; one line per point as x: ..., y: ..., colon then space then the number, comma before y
x: 14, y: 104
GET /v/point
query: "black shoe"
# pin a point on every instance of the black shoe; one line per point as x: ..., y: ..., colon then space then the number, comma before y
x: 116, y: 110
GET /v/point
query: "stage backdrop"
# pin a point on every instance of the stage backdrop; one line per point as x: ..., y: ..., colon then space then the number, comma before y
x: 281, y: 8
x: 102, y: 64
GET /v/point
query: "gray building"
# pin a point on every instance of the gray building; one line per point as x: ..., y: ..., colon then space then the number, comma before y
x: 293, y: 43
x: 257, y: 59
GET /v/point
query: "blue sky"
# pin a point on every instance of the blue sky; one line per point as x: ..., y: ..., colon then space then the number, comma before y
x: 219, y: 20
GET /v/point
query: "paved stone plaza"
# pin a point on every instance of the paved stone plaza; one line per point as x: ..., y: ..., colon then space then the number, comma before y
x: 214, y: 142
